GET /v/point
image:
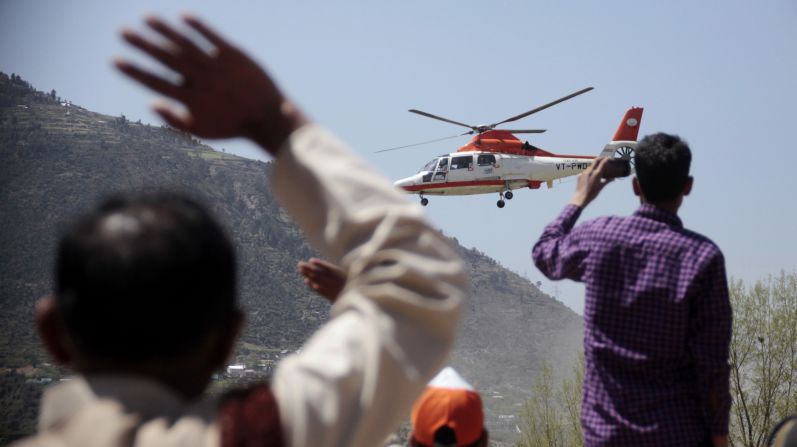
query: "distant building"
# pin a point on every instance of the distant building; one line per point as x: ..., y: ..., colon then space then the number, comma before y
x: 236, y: 370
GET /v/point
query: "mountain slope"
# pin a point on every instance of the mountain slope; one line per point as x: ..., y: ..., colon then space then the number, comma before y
x: 509, y: 330
x: 56, y: 161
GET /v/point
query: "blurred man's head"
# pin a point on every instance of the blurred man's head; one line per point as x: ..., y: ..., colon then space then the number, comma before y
x: 448, y: 414
x: 784, y: 434
x: 145, y: 282
x: 662, y: 168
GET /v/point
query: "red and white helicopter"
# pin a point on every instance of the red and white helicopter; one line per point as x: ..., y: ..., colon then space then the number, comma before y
x: 496, y: 161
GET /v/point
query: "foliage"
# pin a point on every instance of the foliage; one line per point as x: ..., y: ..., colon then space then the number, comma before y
x: 763, y: 357
x: 19, y: 418
x: 551, y: 417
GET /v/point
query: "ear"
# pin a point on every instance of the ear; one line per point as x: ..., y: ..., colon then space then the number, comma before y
x: 636, y: 187
x: 52, y: 330
x: 690, y: 181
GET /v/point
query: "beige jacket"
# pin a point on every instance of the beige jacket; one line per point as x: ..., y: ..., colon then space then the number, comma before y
x: 356, y: 378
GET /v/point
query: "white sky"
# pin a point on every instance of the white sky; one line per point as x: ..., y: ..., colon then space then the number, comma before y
x: 722, y: 74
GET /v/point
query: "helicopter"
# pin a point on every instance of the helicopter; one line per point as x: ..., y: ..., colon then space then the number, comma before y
x: 496, y: 161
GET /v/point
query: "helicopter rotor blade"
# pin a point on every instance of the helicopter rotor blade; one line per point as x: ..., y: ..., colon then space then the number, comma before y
x: 429, y: 115
x: 524, y: 130
x: 424, y: 142
x: 553, y: 103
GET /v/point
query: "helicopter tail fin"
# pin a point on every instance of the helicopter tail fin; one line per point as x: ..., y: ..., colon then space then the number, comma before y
x: 627, y: 132
x: 629, y: 126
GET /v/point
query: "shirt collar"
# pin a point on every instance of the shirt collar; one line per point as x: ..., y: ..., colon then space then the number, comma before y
x: 652, y: 212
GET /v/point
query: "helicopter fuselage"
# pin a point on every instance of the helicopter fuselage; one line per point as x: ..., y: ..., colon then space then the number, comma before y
x: 478, y: 172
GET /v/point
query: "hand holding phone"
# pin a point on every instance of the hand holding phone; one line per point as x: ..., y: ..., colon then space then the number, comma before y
x: 617, y: 167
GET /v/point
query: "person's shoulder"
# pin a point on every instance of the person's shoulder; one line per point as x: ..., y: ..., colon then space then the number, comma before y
x: 39, y: 440
x: 702, y: 240
x: 605, y: 223
x: 703, y: 245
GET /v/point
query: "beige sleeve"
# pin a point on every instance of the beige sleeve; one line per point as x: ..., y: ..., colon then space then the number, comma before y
x: 393, y: 325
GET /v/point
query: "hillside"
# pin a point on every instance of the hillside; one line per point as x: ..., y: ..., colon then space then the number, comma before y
x: 57, y: 159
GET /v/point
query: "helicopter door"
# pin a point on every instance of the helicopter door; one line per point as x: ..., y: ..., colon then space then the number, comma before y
x: 441, y: 172
x: 487, y: 166
x: 461, y: 169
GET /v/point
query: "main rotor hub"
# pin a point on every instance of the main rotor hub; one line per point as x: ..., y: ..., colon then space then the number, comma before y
x: 483, y: 128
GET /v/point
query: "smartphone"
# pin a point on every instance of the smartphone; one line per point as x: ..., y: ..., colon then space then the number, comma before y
x: 617, y: 167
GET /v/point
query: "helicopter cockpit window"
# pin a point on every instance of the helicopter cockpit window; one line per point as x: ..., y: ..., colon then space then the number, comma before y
x: 461, y: 162
x: 443, y: 165
x: 486, y: 160
x: 429, y: 166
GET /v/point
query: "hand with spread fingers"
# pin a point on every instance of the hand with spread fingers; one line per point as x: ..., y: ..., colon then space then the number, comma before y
x: 590, y: 183
x: 225, y: 93
x: 324, y: 277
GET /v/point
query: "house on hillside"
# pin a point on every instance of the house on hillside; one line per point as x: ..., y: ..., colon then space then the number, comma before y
x: 236, y: 371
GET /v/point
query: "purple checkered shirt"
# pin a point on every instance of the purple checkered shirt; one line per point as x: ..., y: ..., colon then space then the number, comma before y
x: 657, y: 325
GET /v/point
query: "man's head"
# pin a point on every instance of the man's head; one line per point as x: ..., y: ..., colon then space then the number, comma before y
x: 141, y: 281
x: 448, y: 414
x: 784, y: 434
x: 662, y: 168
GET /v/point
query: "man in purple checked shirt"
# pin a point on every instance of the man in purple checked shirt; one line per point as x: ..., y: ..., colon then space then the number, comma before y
x: 657, y: 318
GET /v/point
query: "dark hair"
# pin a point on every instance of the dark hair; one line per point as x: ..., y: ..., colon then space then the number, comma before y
x: 143, y: 277
x: 445, y: 436
x: 662, y: 166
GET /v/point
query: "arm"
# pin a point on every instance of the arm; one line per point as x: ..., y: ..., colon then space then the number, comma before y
x: 394, y: 323
x: 708, y: 343
x: 559, y: 253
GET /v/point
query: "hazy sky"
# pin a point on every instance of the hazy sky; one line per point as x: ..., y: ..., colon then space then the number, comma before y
x: 722, y: 74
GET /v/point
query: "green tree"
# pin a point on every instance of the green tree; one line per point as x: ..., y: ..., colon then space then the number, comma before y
x: 551, y: 417
x: 570, y: 396
x: 763, y: 357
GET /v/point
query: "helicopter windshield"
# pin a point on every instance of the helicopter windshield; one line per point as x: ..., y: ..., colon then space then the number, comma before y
x: 429, y: 166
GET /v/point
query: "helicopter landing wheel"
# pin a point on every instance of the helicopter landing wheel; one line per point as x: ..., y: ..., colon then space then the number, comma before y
x: 501, y: 204
x: 508, y: 195
x: 424, y: 201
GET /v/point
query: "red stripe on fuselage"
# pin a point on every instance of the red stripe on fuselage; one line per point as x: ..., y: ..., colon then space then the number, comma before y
x: 415, y: 188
